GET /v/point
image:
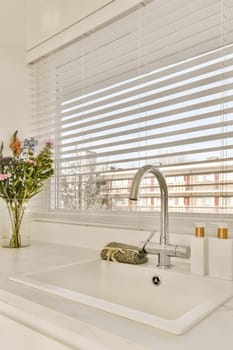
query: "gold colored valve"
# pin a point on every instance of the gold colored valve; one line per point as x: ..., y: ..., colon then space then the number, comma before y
x: 222, y: 233
x: 200, y: 231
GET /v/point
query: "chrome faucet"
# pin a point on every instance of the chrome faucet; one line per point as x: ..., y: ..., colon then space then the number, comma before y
x: 164, y: 250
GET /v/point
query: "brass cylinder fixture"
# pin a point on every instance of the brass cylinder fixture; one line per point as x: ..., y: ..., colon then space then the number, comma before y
x: 223, y: 232
x: 200, y: 230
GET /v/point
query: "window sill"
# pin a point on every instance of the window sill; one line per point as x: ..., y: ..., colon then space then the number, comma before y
x: 178, y: 223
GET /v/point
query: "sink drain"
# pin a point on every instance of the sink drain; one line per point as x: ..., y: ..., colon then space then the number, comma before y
x: 156, y: 280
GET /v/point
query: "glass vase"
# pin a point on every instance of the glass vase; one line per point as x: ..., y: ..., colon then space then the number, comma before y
x: 16, y: 226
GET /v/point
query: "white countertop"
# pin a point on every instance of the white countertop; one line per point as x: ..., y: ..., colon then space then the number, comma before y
x: 83, y: 327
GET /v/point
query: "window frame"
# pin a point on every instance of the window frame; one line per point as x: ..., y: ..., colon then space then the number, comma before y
x: 129, y: 218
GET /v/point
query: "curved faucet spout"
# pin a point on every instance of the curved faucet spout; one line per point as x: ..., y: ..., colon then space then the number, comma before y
x: 164, y: 197
x: 164, y: 250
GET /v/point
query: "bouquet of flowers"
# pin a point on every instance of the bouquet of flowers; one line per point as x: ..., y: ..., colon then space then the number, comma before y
x: 22, y: 176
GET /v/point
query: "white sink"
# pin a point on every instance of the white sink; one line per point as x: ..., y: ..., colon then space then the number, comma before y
x: 176, y: 305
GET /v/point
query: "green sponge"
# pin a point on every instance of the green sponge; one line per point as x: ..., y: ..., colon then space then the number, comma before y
x: 124, y: 253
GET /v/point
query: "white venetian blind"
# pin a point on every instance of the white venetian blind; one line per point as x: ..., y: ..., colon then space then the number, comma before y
x: 154, y: 87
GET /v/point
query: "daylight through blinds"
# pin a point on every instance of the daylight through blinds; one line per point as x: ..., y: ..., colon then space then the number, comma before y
x: 154, y: 87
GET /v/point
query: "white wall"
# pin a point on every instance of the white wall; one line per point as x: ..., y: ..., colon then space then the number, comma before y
x: 54, y: 23
x: 13, y: 70
x: 49, y: 17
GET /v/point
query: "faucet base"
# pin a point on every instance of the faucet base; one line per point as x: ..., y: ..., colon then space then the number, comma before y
x: 164, y: 261
x: 164, y: 267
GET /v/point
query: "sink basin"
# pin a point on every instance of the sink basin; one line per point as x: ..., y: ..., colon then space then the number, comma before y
x: 177, y: 304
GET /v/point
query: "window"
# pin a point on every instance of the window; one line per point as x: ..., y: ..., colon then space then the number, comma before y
x: 154, y: 87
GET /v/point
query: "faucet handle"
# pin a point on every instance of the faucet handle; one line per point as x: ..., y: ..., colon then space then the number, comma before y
x: 151, y: 235
x: 142, y: 244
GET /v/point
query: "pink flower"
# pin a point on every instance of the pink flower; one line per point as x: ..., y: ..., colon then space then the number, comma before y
x: 30, y: 161
x: 4, y: 177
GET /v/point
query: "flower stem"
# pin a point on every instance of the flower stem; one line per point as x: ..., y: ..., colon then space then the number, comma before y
x: 16, y: 212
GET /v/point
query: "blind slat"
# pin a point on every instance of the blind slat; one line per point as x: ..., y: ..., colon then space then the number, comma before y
x: 175, y: 112
x: 125, y: 100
